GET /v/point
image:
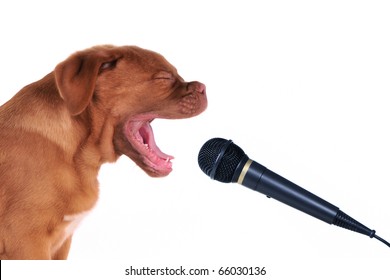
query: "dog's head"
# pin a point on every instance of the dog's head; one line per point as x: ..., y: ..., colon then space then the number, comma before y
x: 129, y: 87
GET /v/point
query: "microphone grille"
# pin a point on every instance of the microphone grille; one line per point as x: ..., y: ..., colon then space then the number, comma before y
x: 222, y: 157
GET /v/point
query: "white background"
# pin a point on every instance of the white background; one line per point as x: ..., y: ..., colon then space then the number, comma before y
x: 302, y: 86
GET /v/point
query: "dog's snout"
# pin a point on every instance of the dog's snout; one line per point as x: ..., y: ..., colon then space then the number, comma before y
x: 196, y: 87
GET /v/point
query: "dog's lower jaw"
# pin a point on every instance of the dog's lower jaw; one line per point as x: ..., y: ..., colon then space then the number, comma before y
x: 139, y: 134
x: 136, y: 141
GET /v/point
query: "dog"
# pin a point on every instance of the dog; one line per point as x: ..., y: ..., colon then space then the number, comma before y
x: 55, y: 134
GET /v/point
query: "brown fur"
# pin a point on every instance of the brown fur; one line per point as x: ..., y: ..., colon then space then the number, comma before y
x: 57, y: 132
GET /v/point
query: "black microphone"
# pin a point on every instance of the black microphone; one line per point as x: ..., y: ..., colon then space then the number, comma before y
x: 224, y: 161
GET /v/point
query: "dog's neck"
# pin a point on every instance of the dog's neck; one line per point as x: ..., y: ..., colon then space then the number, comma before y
x: 98, y: 145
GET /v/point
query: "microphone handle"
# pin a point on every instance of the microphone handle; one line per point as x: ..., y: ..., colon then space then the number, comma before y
x: 257, y: 177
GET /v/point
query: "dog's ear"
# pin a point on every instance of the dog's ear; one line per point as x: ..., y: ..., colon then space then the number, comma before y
x: 76, y: 76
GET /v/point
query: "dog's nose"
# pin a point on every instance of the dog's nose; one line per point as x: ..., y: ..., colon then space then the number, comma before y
x: 196, y: 87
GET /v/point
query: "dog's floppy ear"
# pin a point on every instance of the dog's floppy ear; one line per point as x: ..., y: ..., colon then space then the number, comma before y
x: 76, y: 76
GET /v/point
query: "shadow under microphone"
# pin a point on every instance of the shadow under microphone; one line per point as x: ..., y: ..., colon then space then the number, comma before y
x: 224, y: 161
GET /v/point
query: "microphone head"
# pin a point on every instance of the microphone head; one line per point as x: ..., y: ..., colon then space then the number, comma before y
x: 219, y: 159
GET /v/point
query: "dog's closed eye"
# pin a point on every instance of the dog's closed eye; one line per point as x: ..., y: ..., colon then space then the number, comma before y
x: 163, y: 75
x: 108, y: 65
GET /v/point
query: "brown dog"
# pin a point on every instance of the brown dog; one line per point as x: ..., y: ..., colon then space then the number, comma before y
x: 56, y: 133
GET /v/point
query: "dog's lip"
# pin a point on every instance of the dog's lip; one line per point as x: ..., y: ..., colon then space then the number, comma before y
x: 140, y: 135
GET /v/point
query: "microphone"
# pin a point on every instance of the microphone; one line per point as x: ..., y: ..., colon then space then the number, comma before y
x: 224, y: 161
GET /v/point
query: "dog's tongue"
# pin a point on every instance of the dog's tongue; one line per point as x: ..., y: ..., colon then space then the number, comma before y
x: 147, y: 135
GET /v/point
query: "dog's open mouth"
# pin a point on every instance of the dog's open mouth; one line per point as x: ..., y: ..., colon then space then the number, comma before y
x: 140, y: 135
